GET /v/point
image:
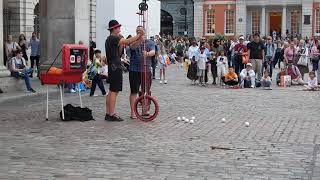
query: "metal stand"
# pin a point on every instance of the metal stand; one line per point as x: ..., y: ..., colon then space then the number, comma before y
x: 47, y: 113
x: 80, y: 94
x: 61, y: 95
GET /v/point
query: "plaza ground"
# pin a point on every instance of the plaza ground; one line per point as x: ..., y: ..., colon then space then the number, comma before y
x: 282, y: 141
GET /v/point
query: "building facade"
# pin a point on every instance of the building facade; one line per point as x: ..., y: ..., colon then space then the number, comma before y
x: 127, y: 16
x: 177, y: 17
x: 242, y: 17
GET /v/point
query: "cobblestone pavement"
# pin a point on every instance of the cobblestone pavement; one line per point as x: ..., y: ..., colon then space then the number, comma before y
x: 282, y: 141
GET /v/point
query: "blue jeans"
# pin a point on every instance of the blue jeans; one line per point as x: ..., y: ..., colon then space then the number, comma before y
x: 25, y: 75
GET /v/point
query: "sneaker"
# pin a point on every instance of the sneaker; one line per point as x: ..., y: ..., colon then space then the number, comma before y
x: 107, y: 117
x: 114, y: 118
x: 165, y: 82
x: 161, y: 82
x: 72, y: 91
x: 32, y: 90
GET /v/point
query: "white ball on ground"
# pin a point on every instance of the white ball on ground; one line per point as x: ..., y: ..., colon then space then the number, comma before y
x: 193, y: 118
x: 191, y: 121
x: 178, y: 118
x: 247, y: 124
x: 187, y: 120
x: 223, y: 120
x: 184, y: 118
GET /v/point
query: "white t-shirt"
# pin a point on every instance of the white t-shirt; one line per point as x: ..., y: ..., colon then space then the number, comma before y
x: 202, y: 59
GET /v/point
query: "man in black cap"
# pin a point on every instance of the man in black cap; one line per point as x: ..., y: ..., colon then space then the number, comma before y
x: 114, y: 47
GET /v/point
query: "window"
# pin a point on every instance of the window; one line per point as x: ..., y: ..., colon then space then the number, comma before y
x: 229, y: 22
x: 211, y: 26
x: 317, y: 19
x: 295, y: 22
x: 255, y: 22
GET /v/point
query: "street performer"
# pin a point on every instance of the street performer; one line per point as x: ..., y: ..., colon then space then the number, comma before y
x: 137, y: 67
x: 114, y: 48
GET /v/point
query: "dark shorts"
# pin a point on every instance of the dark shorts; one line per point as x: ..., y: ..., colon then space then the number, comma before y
x: 180, y: 54
x: 115, y: 78
x: 135, y: 81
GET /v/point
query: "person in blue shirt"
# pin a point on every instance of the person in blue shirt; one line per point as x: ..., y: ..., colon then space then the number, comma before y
x: 138, y: 68
x: 35, y: 52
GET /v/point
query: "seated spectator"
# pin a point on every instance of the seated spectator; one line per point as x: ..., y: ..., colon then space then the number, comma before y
x: 282, y: 72
x: 313, y: 82
x: 295, y: 74
x: 266, y: 80
x: 19, y: 70
x: 247, y: 75
x: 231, y: 78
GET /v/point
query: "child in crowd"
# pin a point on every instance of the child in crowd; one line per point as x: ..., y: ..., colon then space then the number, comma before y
x: 222, y: 65
x: 248, y: 75
x: 313, y: 82
x: 201, y: 63
x: 266, y: 80
x: 281, y: 73
x: 163, y: 65
x: 231, y: 78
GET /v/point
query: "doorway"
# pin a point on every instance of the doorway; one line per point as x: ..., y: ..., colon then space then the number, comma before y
x: 275, y: 22
x: 166, y: 23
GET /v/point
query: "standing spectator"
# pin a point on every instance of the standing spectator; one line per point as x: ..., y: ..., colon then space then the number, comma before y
x: 35, y: 52
x: 163, y: 65
x: 193, y: 54
x: 215, y: 53
x: 314, y: 55
x: 289, y: 53
x: 270, y: 48
x: 256, y: 55
x: 282, y: 60
x: 239, y: 49
x: 180, y: 51
x: 201, y: 62
x: 24, y: 47
x: 248, y: 77
x: 295, y: 74
x: 19, y: 70
x: 11, y: 48
x: 154, y: 59
x: 302, y: 52
x: 277, y: 56
x: 96, y: 73
x: 232, y: 52
x: 222, y: 66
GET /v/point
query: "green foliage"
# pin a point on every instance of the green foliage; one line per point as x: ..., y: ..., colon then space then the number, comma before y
x: 215, y: 37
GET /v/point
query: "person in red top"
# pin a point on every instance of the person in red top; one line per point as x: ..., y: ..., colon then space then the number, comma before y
x: 239, y: 49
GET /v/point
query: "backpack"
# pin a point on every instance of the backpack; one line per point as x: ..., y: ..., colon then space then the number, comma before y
x: 72, y: 113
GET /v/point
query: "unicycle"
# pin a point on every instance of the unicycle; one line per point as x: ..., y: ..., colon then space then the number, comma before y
x: 146, y: 108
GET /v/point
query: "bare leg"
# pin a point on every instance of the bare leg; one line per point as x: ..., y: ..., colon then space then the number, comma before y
x: 112, y: 102
x: 164, y: 74
x: 161, y: 74
x: 132, y: 100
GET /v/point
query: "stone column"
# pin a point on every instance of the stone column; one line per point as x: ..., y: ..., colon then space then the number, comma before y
x: 307, y: 8
x: 21, y: 20
x: 3, y: 70
x: 198, y: 18
x: 263, y: 22
x: 67, y: 24
x: 241, y: 17
x: 284, y: 21
x: 93, y: 20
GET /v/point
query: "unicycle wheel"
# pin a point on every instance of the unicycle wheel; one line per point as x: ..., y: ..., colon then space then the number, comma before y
x: 146, y: 108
